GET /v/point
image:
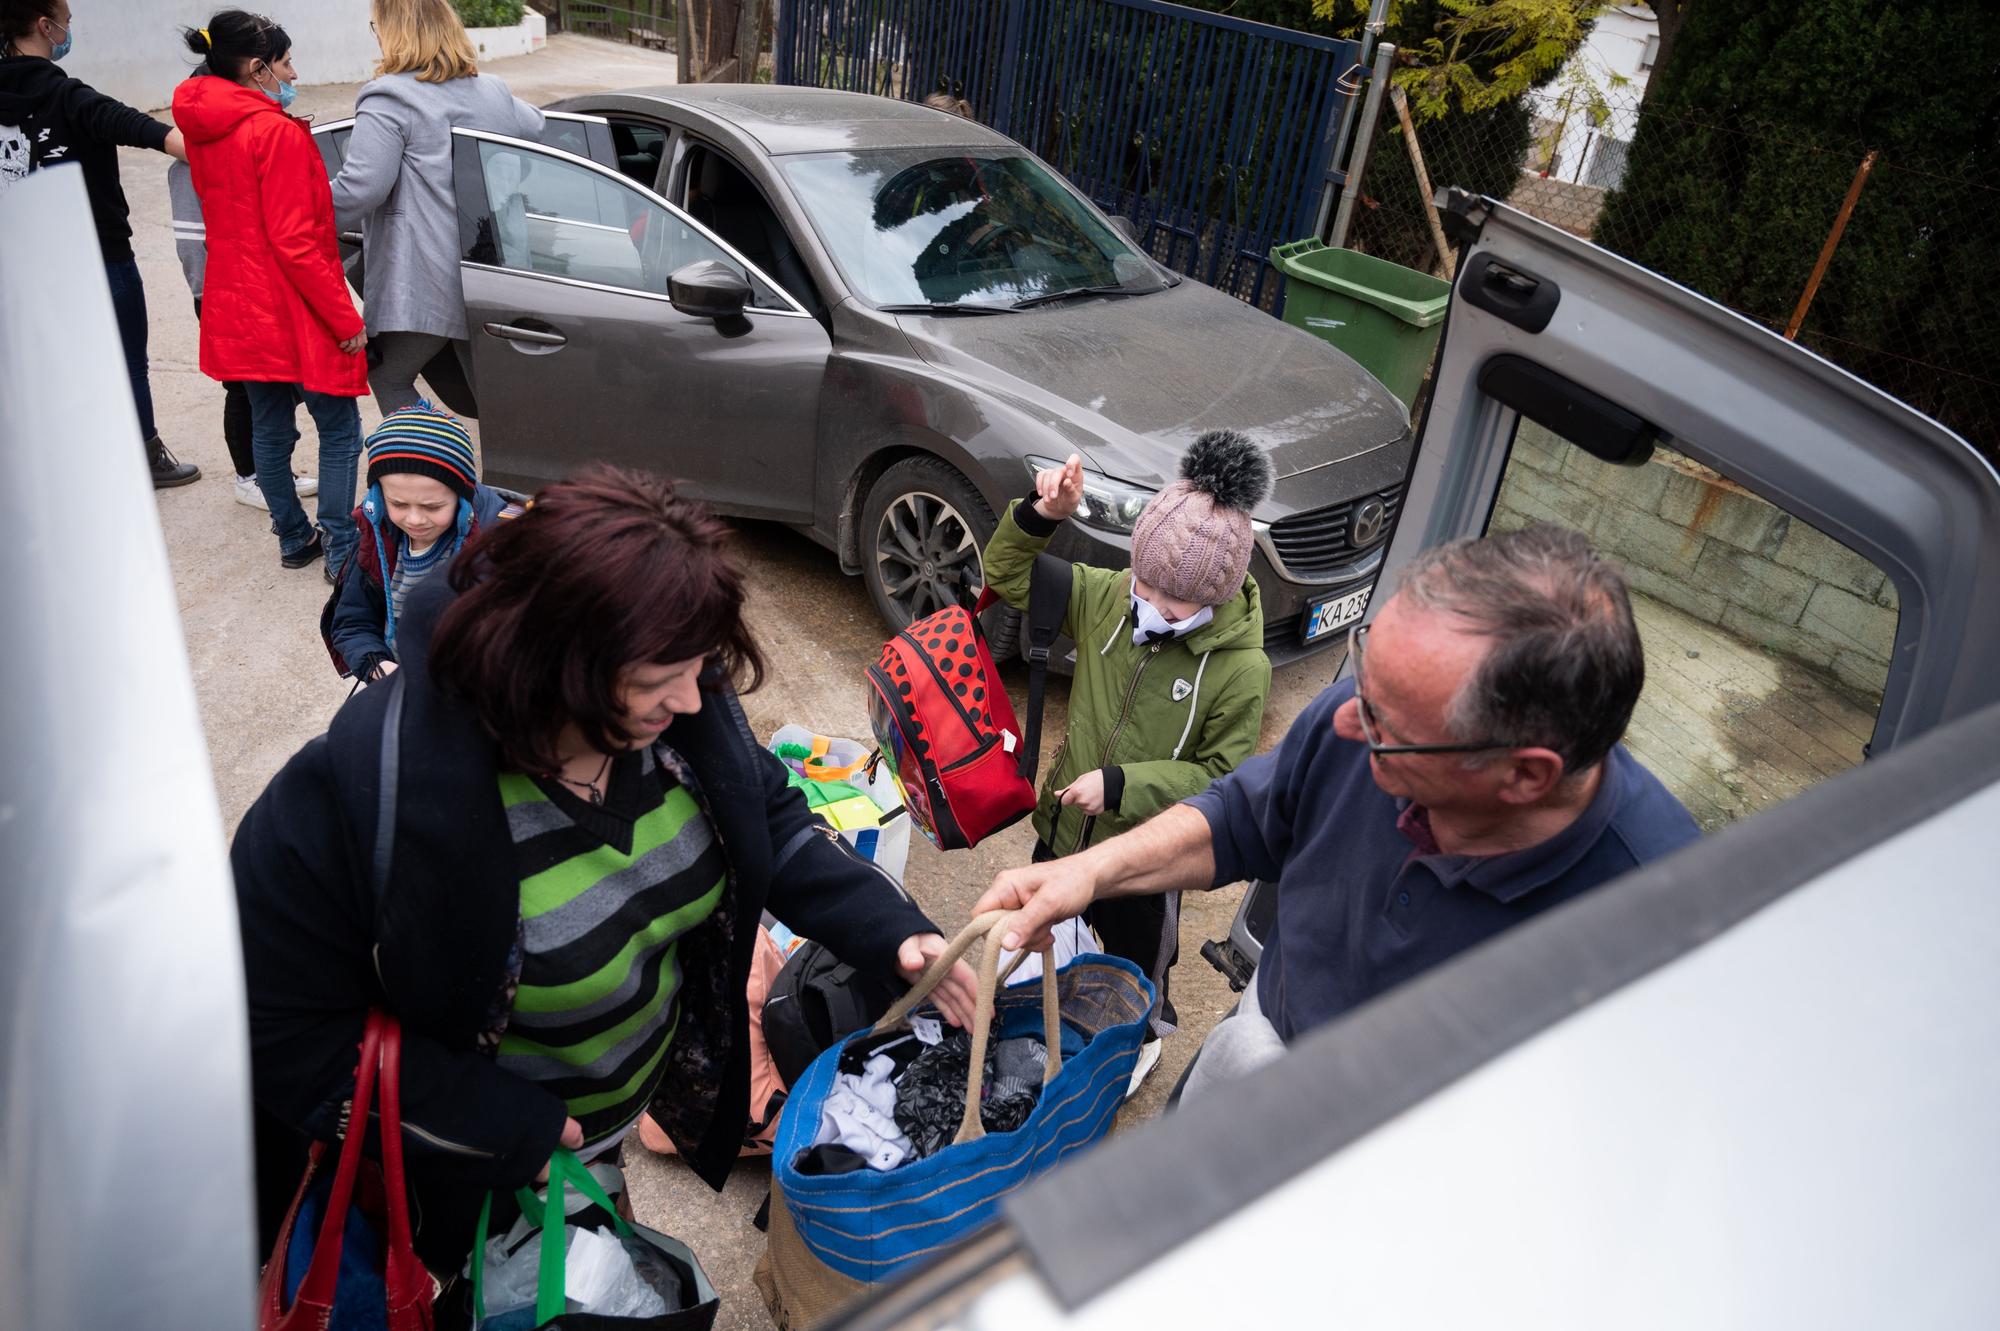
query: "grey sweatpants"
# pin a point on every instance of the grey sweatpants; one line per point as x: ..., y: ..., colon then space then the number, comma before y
x: 402, y: 358
x: 1240, y: 1044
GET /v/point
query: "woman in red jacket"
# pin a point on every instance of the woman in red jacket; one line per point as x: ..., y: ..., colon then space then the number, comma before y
x: 276, y: 314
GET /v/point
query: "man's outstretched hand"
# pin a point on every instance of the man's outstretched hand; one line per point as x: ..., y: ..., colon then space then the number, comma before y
x: 957, y: 995
x: 1042, y: 895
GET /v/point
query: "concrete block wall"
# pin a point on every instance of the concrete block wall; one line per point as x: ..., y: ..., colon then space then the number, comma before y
x: 1693, y: 540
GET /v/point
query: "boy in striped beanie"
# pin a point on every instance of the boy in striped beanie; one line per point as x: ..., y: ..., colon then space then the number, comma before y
x: 424, y: 502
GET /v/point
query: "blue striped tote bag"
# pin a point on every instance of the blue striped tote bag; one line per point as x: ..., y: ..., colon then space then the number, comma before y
x: 839, y: 1233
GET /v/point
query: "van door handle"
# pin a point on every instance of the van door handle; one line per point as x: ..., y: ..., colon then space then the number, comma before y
x: 350, y: 237
x: 1522, y: 298
x: 516, y: 333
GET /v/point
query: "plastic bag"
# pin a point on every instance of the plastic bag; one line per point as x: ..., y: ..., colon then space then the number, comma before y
x: 1072, y: 939
x: 600, y: 1275
x: 886, y: 844
x: 509, y: 1283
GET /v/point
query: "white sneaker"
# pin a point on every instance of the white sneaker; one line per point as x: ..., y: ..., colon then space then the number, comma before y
x: 1149, y: 1058
x: 251, y: 496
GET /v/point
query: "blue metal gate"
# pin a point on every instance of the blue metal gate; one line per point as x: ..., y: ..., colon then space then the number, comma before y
x: 1212, y: 134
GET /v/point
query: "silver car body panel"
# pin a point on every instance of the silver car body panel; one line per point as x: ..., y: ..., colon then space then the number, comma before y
x: 124, y: 1062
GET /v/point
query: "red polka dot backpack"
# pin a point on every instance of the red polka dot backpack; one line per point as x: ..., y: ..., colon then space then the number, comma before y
x: 946, y: 725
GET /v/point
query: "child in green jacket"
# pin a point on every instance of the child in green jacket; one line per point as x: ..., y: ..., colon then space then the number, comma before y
x: 1171, y: 675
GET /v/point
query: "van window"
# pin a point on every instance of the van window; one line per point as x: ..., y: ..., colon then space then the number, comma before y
x: 1767, y: 642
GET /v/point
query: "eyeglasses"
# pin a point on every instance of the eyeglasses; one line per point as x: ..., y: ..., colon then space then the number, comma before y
x: 1357, y: 637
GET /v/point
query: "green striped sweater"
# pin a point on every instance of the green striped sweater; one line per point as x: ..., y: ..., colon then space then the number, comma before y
x: 606, y: 893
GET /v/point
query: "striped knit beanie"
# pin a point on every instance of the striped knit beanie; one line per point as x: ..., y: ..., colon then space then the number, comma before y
x: 422, y: 441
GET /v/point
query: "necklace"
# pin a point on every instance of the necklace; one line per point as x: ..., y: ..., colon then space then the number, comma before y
x: 588, y: 789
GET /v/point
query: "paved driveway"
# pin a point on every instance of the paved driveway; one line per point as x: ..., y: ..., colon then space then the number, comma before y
x: 265, y: 686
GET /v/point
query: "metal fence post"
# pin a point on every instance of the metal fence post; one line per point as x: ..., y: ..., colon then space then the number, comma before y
x: 1364, y: 142
x: 1371, y: 32
x: 785, y: 21
x: 1010, y: 61
x: 1336, y: 134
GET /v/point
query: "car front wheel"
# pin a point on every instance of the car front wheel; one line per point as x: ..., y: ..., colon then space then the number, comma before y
x: 923, y: 527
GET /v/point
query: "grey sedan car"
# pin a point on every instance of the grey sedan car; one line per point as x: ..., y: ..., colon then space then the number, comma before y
x: 872, y: 321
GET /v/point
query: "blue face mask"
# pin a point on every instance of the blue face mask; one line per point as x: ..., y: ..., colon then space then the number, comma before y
x: 62, y: 48
x: 284, y: 96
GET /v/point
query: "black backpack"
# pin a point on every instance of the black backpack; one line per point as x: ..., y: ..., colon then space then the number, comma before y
x: 816, y: 1000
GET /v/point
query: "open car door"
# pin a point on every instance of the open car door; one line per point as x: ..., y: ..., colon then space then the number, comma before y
x: 584, y: 328
x: 573, y: 132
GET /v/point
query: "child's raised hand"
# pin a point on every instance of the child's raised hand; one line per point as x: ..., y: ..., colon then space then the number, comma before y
x: 1059, y: 490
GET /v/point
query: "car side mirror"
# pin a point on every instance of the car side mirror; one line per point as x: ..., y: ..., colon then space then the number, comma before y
x: 710, y: 289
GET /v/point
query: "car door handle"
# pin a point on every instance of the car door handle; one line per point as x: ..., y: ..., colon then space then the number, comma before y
x: 515, y: 333
x: 350, y: 237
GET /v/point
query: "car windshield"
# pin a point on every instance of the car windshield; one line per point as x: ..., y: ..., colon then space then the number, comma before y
x: 962, y: 227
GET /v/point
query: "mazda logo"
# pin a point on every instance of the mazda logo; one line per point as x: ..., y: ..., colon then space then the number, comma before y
x: 1369, y: 516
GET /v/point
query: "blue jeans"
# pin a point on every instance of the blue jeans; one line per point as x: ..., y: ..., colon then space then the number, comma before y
x: 128, y: 302
x: 274, y: 432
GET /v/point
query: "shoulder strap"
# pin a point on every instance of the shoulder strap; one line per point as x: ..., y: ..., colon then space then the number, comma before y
x: 1048, y: 597
x: 385, y: 797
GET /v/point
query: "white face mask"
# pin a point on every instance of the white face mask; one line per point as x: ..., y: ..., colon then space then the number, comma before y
x: 1149, y: 625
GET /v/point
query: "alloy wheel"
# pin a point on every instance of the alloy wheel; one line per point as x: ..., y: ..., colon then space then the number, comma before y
x: 925, y: 552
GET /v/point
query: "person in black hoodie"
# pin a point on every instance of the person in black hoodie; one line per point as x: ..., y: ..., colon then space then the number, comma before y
x: 544, y: 845
x: 47, y: 119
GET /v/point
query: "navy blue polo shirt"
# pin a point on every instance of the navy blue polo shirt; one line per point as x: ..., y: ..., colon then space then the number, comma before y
x: 1361, y: 907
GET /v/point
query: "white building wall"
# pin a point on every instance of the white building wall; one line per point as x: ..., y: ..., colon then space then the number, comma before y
x: 132, y: 49
x: 1612, y: 60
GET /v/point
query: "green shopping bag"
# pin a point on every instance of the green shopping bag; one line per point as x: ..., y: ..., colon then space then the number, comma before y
x: 690, y: 1299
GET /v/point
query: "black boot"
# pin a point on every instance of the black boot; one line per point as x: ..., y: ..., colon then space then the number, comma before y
x: 169, y: 471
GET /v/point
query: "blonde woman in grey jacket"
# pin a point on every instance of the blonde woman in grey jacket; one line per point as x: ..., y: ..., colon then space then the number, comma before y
x: 396, y: 184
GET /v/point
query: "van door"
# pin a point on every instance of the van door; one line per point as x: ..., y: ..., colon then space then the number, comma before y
x: 1812, y: 563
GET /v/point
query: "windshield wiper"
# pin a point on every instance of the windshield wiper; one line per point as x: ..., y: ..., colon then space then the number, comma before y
x: 1049, y: 297
x: 946, y: 307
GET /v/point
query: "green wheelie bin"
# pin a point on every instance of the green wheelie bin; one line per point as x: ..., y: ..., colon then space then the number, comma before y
x: 1386, y: 316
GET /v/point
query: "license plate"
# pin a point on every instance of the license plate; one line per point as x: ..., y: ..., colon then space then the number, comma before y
x: 1335, y: 612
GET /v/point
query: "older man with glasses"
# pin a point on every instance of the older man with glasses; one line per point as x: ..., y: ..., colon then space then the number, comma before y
x: 1464, y: 777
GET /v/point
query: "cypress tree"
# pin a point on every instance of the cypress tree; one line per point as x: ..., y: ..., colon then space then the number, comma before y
x: 1748, y: 141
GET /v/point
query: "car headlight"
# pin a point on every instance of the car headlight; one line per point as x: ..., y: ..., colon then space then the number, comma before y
x: 1107, y: 505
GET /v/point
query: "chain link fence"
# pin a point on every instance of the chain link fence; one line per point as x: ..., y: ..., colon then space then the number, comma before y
x: 1872, y: 259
